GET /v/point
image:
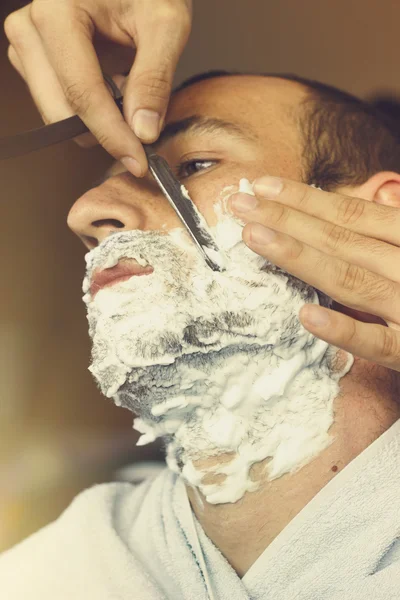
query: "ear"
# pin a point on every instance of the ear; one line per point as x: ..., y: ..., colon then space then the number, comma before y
x: 383, y: 188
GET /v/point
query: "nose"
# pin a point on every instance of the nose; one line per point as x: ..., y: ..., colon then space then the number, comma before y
x: 122, y: 203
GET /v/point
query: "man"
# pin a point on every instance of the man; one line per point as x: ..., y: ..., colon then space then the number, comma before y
x: 292, y: 478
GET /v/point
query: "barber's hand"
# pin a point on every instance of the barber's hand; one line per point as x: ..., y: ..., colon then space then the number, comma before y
x: 59, y: 47
x: 346, y: 247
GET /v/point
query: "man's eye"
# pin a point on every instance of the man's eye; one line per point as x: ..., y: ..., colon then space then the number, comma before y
x: 190, y: 167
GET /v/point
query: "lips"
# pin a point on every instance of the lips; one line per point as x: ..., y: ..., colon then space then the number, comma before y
x: 123, y: 271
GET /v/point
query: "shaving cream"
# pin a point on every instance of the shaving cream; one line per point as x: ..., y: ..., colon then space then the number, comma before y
x: 216, y: 363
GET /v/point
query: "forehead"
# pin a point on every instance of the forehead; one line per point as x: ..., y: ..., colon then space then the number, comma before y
x: 266, y: 105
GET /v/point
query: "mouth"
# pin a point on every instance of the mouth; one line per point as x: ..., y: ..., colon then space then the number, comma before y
x: 124, y: 270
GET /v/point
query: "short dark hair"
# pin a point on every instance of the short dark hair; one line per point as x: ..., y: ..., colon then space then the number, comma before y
x: 345, y: 139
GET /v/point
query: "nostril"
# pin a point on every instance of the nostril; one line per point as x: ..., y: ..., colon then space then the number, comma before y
x: 112, y: 222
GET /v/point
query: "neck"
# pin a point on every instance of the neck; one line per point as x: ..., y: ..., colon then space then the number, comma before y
x: 244, y: 529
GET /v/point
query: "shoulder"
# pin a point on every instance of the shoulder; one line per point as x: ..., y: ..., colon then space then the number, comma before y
x: 67, y: 549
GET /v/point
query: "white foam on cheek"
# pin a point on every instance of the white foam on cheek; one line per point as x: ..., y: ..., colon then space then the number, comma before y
x: 228, y: 230
x: 185, y: 192
x: 215, y: 362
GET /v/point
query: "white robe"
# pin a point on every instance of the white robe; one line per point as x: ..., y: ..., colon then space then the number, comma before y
x: 118, y: 541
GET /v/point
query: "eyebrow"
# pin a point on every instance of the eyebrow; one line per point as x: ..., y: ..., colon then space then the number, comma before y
x: 194, y: 124
x: 198, y: 124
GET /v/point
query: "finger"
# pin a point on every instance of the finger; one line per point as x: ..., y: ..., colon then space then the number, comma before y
x: 159, y: 46
x: 29, y: 55
x: 361, y: 216
x: 39, y: 75
x: 376, y: 256
x: 373, y: 342
x: 81, y: 79
x: 346, y: 283
x: 87, y: 140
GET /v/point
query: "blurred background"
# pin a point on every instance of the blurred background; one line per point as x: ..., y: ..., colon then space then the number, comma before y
x: 58, y: 434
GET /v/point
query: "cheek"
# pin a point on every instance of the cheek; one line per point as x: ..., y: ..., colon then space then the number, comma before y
x: 206, y: 190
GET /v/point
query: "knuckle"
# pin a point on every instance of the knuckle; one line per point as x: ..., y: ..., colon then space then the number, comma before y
x: 351, y: 333
x: 39, y: 13
x: 170, y: 21
x: 335, y: 237
x: 280, y: 214
x: 390, y: 345
x: 351, y: 277
x: 79, y: 98
x: 295, y: 251
x: 180, y: 17
x: 105, y: 140
x: 304, y: 196
x: 14, y: 28
x: 154, y: 84
x: 168, y: 11
x: 350, y: 210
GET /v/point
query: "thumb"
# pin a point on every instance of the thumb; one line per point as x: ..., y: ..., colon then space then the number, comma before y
x: 149, y: 84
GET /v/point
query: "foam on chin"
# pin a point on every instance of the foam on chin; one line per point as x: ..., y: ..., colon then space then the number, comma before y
x: 217, y: 363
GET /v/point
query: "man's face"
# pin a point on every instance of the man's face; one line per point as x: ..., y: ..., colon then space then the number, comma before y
x: 217, y: 132
x: 263, y: 139
x: 215, y: 362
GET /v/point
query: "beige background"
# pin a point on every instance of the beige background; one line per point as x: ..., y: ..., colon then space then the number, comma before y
x: 57, y: 433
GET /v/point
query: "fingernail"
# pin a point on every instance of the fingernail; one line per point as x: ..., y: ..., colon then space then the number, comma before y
x: 132, y: 165
x: 262, y: 235
x: 268, y: 187
x: 145, y: 124
x: 243, y: 202
x: 316, y: 316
